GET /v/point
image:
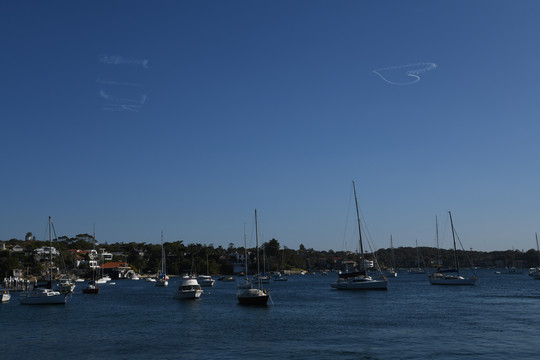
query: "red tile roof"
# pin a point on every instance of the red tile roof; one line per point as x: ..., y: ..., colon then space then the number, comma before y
x: 112, y: 265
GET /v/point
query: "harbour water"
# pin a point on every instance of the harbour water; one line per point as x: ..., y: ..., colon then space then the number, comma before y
x: 497, y: 318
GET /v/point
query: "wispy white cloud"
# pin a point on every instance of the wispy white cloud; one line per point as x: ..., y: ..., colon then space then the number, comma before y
x: 122, y: 104
x: 106, y: 96
x: 121, y: 60
x: 122, y: 107
x: 118, y: 83
x: 404, y: 74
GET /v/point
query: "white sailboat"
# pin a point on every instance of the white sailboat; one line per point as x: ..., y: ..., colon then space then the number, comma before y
x: 535, y: 271
x: 162, y: 279
x: 206, y: 280
x: 392, y: 272
x: 451, y: 276
x: 417, y: 269
x: 246, y: 284
x: 360, y: 280
x: 254, y: 296
x: 44, y: 296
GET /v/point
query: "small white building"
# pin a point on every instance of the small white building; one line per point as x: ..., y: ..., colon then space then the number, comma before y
x: 43, y: 253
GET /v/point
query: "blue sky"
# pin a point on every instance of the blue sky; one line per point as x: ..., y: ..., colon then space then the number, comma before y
x: 184, y: 116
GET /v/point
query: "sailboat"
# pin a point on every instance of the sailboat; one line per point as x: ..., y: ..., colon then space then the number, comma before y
x: 206, y: 280
x: 360, y: 280
x: 254, y: 296
x: 43, y: 296
x: 162, y: 279
x: 91, y: 287
x: 392, y: 272
x: 451, y: 276
x: 536, y: 270
x: 418, y: 269
x: 246, y: 284
x: 279, y: 276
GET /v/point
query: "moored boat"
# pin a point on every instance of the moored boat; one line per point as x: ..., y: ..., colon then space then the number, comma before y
x: 90, y: 289
x: 359, y: 279
x: 189, y: 288
x: 5, y: 296
x: 47, y: 295
x: 253, y: 296
x: 42, y: 296
x: 205, y: 280
x: 451, y: 276
x: 162, y: 279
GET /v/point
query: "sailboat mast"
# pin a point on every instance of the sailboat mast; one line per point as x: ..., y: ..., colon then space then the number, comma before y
x: 454, y: 238
x: 162, y: 255
x: 437, y: 237
x: 245, y: 250
x: 363, y: 266
x: 50, y: 254
x: 393, y: 257
x: 537, y: 249
x: 257, y: 245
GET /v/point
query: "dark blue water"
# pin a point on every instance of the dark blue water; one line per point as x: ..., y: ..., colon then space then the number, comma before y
x: 308, y: 320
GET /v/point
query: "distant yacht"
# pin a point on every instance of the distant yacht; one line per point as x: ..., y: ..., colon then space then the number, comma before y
x: 451, y: 276
x: 360, y: 280
x: 47, y: 295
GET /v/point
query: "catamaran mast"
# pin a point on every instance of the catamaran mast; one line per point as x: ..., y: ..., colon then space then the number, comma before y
x: 363, y: 265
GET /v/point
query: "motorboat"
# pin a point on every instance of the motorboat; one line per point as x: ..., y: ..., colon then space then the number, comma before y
x: 280, y: 277
x: 189, y: 288
x: 65, y: 286
x: 205, y: 280
x: 91, y: 289
x: 5, y: 296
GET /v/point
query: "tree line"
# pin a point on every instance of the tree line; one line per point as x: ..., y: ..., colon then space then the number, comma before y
x: 145, y: 258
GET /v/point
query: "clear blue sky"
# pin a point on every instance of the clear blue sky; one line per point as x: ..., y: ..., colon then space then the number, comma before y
x: 184, y: 116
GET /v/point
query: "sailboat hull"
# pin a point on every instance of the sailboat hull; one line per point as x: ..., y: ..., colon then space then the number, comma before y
x: 355, y: 284
x: 43, y: 297
x: 452, y: 281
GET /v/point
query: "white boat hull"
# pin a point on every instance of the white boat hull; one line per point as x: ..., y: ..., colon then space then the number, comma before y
x: 193, y: 294
x: 6, y: 296
x: 205, y: 281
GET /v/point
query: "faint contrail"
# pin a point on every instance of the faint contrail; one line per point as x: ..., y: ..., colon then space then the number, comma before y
x: 411, y: 71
